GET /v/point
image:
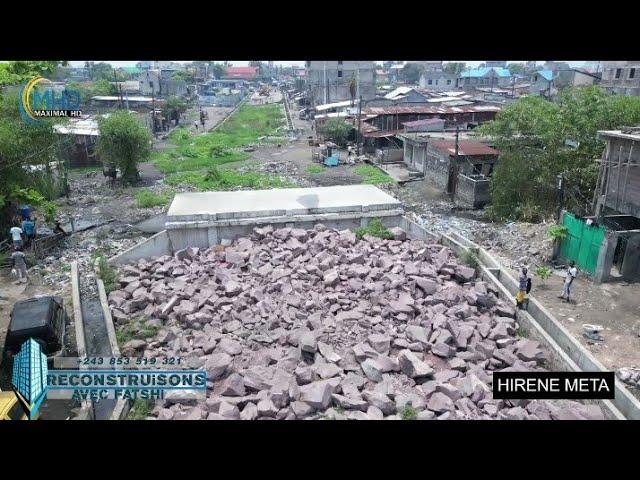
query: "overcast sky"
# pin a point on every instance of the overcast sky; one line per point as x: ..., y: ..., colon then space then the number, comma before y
x: 242, y: 63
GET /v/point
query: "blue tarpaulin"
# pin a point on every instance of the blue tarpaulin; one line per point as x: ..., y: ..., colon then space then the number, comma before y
x: 331, y: 161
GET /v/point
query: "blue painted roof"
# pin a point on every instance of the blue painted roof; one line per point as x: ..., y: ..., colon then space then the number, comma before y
x: 481, y: 72
x: 546, y: 74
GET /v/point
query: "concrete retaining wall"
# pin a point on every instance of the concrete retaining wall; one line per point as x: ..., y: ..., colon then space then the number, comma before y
x: 537, y: 320
x: 155, y: 246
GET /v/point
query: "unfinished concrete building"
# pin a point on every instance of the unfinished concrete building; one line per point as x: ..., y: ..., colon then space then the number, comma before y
x: 329, y: 81
x: 621, y: 78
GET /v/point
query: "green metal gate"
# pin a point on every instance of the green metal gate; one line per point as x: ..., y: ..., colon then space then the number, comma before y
x: 582, y: 244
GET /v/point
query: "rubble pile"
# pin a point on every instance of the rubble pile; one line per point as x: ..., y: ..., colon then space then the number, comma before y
x: 308, y: 324
x: 630, y: 376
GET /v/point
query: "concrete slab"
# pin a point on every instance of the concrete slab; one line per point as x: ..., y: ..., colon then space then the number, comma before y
x: 213, y: 206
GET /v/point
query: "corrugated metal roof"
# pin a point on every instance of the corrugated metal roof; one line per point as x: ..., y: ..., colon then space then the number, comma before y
x: 465, y: 147
x: 406, y: 109
x: 481, y: 72
x: 398, y: 92
x: 329, y: 106
x: 546, y: 74
x: 426, y: 121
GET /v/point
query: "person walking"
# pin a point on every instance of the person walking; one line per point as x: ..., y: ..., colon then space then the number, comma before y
x: 16, y: 236
x: 524, y: 287
x: 29, y: 229
x: 572, y: 273
x: 195, y: 124
x: 20, y: 264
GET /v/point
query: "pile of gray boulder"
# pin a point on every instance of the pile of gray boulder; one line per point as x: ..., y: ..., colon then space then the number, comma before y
x: 309, y: 324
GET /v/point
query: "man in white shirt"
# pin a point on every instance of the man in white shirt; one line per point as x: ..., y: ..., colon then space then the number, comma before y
x: 572, y: 272
x: 16, y: 236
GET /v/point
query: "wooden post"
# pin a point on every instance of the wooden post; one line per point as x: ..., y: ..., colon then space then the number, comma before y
x: 626, y: 174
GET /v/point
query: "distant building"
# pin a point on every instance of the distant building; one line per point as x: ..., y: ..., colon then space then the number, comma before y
x: 496, y: 64
x: 241, y: 73
x: 160, y: 83
x: 554, y: 66
x: 542, y: 83
x: 621, y: 78
x: 431, y: 66
x: 484, y: 77
x: 329, y: 81
x: 147, y: 65
x: 406, y: 95
x: 575, y: 78
x: 437, y: 80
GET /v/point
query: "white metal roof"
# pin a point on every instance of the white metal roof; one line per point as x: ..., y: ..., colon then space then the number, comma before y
x: 131, y: 98
x: 329, y: 106
x: 399, y: 92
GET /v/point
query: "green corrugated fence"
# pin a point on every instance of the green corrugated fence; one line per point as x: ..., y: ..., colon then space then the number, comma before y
x: 582, y: 244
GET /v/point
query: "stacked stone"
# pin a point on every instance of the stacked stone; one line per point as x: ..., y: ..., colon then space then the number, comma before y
x: 307, y: 324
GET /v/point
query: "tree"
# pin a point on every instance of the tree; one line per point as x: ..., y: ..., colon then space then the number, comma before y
x: 516, y: 68
x: 14, y: 73
x: 183, y: 75
x: 454, y: 68
x: 411, y: 72
x: 336, y: 131
x: 123, y: 142
x: 218, y: 70
x: 99, y: 71
x: 531, y: 136
x: 103, y: 87
x: 173, y: 107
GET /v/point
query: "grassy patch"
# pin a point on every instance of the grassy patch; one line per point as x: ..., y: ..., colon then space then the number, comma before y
x: 215, y: 179
x: 314, y: 169
x: 376, y: 229
x: 107, y: 274
x: 140, y: 410
x: 198, y: 152
x: 470, y: 259
x: 522, y: 333
x: 408, y: 413
x: 137, y: 329
x: 373, y: 175
x: 146, y: 198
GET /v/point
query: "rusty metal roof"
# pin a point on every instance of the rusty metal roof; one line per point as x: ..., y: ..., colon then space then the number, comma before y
x: 401, y: 109
x: 465, y: 147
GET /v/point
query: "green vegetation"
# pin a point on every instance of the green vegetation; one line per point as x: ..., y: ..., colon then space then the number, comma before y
x: 147, y: 198
x: 532, y: 137
x: 373, y: 175
x: 174, y: 107
x: 470, y: 259
x: 137, y: 329
x: 543, y: 273
x: 196, y: 158
x: 215, y: 179
x: 336, y: 131
x: 408, y: 413
x: 107, y: 274
x: 140, y: 410
x: 522, y: 333
x: 558, y: 232
x: 123, y: 142
x: 314, y: 169
x: 376, y: 229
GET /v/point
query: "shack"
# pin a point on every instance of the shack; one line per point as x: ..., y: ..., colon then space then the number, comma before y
x: 461, y: 168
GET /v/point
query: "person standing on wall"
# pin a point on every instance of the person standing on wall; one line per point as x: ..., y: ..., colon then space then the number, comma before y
x: 524, y: 287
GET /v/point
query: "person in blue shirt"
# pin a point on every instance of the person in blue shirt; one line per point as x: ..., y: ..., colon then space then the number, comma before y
x: 29, y: 229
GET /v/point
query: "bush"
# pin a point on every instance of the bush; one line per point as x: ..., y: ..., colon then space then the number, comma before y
x: 336, y: 130
x: 558, y: 232
x: 408, y: 413
x: 107, y: 274
x: 140, y: 410
x: 376, y: 229
x: 542, y: 272
x: 373, y: 175
x: 470, y: 259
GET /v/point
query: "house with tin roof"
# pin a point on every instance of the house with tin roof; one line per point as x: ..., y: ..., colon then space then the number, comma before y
x: 484, y: 77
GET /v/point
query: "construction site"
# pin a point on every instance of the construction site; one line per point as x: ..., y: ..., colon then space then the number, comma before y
x: 315, y: 278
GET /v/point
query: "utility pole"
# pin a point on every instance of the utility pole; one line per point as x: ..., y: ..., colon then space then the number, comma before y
x: 560, y: 178
x: 359, y: 126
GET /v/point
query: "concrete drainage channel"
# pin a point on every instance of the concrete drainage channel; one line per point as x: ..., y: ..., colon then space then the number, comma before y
x: 96, y: 337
